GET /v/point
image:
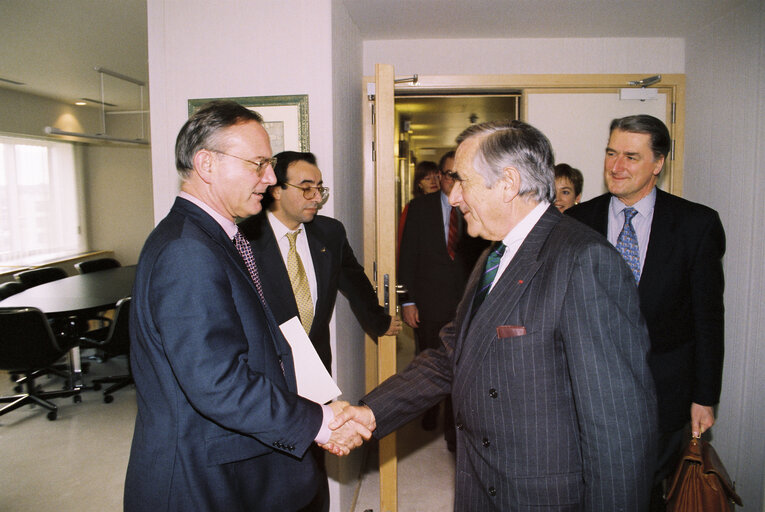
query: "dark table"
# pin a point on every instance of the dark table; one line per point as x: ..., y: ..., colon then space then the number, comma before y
x: 79, y: 295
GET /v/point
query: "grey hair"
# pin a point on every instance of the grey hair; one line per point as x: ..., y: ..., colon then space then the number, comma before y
x: 515, y: 144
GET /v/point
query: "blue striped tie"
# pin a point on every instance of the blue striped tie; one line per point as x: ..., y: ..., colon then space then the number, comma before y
x: 627, y: 243
x: 489, y: 273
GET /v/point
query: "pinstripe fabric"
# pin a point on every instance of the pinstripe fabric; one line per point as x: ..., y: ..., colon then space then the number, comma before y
x: 560, y: 418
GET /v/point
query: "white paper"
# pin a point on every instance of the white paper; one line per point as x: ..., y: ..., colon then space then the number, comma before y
x: 313, y: 380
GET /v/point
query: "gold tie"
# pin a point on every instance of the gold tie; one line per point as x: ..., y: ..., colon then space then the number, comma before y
x: 299, y: 281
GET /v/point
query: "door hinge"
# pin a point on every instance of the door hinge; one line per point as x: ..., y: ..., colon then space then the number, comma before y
x: 673, y: 114
x: 672, y: 153
x: 374, y: 154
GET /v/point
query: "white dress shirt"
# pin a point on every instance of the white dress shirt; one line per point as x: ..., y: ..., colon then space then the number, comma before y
x: 303, y: 250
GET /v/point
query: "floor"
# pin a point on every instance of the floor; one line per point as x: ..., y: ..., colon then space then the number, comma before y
x: 77, y: 463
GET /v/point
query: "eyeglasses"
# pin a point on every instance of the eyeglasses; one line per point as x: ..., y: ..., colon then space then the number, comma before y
x: 309, y: 192
x: 260, y: 166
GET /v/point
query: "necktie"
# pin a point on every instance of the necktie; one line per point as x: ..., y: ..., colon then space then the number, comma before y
x: 489, y: 273
x: 627, y: 243
x: 451, y: 243
x: 243, y: 246
x: 299, y: 281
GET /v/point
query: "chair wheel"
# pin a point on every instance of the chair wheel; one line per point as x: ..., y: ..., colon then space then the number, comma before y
x: 108, y: 399
x: 18, y: 388
x: 77, y: 399
x: 96, y: 386
x: 52, y: 415
x: 14, y: 377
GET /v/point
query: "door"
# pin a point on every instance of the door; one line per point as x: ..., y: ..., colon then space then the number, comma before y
x: 380, y: 221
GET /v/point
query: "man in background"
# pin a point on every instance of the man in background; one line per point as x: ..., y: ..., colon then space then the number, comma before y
x: 435, y: 260
x: 220, y: 425
x: 320, y: 247
x: 546, y: 359
x: 305, y: 258
x: 674, y: 248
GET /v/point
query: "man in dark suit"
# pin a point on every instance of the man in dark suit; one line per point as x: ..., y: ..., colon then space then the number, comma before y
x: 323, y: 249
x: 678, y: 266
x: 546, y: 359
x: 435, y: 259
x: 220, y: 425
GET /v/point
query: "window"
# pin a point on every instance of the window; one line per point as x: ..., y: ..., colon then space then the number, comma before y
x: 39, y: 212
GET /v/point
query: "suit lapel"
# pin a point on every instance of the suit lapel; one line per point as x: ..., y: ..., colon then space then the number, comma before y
x: 659, y: 244
x: 322, y: 266
x: 477, y: 337
x: 273, y: 272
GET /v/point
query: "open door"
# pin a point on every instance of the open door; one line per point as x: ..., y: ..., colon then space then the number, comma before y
x: 380, y: 221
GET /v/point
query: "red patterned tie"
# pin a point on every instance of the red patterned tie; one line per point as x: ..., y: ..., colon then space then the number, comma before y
x: 243, y: 246
x: 451, y: 243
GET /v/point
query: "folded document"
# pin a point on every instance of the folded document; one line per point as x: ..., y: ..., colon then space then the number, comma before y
x: 313, y: 380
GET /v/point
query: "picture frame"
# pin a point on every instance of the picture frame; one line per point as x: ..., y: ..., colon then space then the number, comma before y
x: 285, y: 118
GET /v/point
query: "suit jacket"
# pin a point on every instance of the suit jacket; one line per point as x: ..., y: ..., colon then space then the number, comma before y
x: 553, y: 399
x: 434, y: 281
x: 681, y: 296
x: 219, y: 424
x: 336, y: 269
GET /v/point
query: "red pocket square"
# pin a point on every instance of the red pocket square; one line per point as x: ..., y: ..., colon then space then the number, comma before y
x: 510, y: 331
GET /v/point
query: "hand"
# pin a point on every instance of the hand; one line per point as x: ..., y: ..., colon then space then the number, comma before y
x: 394, y: 327
x: 362, y: 415
x: 347, y: 434
x: 411, y: 315
x: 702, y: 419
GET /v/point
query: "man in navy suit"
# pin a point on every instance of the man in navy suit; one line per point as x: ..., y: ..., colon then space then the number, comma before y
x: 220, y: 425
x: 679, y: 274
x: 546, y: 359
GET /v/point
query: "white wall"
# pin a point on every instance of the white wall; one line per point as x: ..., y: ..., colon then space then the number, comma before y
x: 235, y: 49
x: 527, y: 56
x: 347, y: 335
x: 724, y: 159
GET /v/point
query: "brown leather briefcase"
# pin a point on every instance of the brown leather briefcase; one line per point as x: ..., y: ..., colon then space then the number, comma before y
x: 700, y: 482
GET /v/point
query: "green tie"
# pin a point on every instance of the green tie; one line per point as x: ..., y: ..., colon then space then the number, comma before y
x: 299, y: 281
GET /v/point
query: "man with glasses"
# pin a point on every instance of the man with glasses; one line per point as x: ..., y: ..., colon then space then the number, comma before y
x: 220, y: 425
x: 305, y: 259
x: 326, y: 257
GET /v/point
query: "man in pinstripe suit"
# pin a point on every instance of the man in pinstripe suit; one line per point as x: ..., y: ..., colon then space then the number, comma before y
x: 553, y: 400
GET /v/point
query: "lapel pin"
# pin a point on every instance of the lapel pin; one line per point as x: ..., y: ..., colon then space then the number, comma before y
x: 520, y: 281
x: 323, y: 249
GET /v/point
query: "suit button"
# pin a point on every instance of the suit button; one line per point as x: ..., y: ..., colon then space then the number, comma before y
x: 460, y: 426
x: 485, y: 442
x: 492, y: 491
x: 493, y: 393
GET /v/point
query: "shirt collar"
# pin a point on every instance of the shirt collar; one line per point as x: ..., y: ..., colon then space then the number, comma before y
x: 280, y: 230
x: 644, y: 207
x: 228, y: 225
x: 521, y: 230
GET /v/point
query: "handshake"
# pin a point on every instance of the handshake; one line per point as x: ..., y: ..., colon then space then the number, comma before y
x: 351, y: 426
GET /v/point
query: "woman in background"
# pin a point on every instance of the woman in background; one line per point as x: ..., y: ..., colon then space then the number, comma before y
x: 568, y: 186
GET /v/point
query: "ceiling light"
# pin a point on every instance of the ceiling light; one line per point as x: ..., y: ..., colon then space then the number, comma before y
x: 80, y: 103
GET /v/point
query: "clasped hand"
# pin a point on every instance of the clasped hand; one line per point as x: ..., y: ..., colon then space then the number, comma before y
x: 350, y: 427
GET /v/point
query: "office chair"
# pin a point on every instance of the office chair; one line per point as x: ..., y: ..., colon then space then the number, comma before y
x: 11, y: 288
x: 27, y: 345
x: 117, y: 343
x: 85, y: 267
x: 42, y: 275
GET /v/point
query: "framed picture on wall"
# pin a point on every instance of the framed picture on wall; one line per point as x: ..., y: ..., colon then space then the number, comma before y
x: 285, y: 118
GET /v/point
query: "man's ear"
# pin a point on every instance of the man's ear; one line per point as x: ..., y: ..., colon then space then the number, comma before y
x: 276, y: 192
x: 203, y: 162
x: 511, y: 183
x: 659, y: 166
